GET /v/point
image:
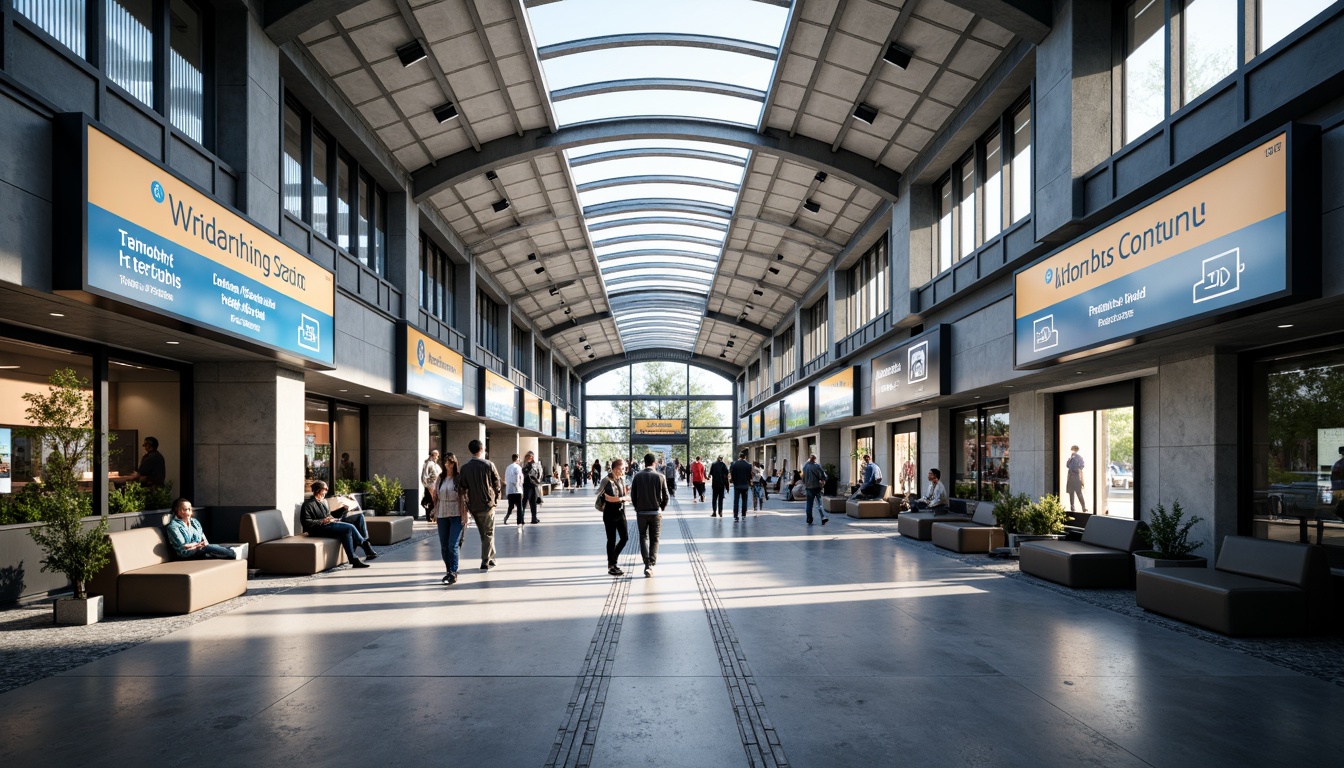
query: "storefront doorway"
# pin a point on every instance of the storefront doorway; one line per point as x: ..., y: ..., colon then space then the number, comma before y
x: 905, y: 457
x: 1100, y: 476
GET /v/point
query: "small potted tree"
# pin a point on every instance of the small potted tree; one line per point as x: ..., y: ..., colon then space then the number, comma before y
x: 1044, y: 519
x: 63, y: 419
x: 1009, y: 509
x: 1168, y: 533
x: 832, y: 479
x: 384, y: 495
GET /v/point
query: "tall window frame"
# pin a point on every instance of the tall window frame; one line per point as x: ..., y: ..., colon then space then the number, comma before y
x: 816, y: 321
x: 869, y: 286
x: 784, y: 354
x: 438, y: 282
x: 487, y: 323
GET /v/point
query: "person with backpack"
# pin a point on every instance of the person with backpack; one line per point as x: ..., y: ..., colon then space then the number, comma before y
x: 611, y: 496
x: 814, y: 479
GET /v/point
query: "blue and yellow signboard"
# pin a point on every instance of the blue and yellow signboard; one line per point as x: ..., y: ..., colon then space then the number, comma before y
x: 1215, y: 244
x: 798, y: 410
x: 155, y: 242
x: 561, y: 423
x: 531, y: 411
x: 772, y: 421
x: 432, y: 370
x: 499, y: 399
x: 835, y: 396
x: 547, y: 418
x: 743, y: 430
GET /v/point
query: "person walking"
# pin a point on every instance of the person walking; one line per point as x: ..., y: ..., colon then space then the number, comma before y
x: 814, y: 478
x: 740, y: 474
x: 429, y: 479
x: 648, y: 493
x: 670, y: 473
x: 757, y: 486
x: 1075, y: 483
x: 480, y: 481
x: 596, y: 473
x: 450, y: 514
x: 513, y: 489
x: 697, y: 480
x: 531, y: 486
x: 718, y: 485
x: 613, y: 493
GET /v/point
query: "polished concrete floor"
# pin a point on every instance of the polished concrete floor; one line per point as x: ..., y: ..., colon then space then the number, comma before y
x: 763, y: 642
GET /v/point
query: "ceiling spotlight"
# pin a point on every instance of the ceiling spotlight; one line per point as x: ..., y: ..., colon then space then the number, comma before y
x: 724, y: 353
x: 539, y: 270
x: 500, y: 205
x: 758, y: 292
x: 897, y: 55
x: 174, y: 343
x: 779, y: 257
x: 1286, y: 325
x: 568, y: 311
x: 811, y: 205
x: 583, y: 339
x: 865, y: 113
x: 731, y: 343
x: 587, y: 346
x: 591, y: 356
x: 491, y: 176
x: 56, y: 314
x: 530, y: 256
x: 820, y: 177
x: 445, y: 112
x: 749, y: 308
x: 410, y: 53
x: 553, y: 290
x: 773, y: 270
x: 732, y: 335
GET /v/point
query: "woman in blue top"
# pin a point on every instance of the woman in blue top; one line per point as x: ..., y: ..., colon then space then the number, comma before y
x: 187, y: 538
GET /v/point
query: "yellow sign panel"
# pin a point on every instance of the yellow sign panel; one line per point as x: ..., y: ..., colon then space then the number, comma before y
x: 433, y: 370
x: 1247, y: 190
x: 660, y: 426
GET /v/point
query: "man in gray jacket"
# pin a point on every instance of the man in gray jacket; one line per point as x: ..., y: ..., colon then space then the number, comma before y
x: 480, y: 481
x: 814, y: 477
x: 648, y: 492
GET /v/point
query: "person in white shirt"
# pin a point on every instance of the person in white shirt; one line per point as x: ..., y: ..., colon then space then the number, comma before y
x: 513, y: 489
x: 429, y: 479
x: 936, y: 498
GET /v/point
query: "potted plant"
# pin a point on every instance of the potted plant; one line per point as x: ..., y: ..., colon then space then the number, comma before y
x: 384, y: 495
x: 832, y: 479
x: 1044, y: 519
x: 63, y: 420
x: 1168, y: 533
x: 1008, y: 510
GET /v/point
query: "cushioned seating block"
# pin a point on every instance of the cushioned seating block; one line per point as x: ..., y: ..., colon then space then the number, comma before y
x: 1104, y: 557
x: 867, y: 509
x: 919, y: 525
x: 389, y: 530
x: 979, y: 534
x: 181, y: 587
x: 834, y: 504
x: 273, y: 550
x: 1258, y: 587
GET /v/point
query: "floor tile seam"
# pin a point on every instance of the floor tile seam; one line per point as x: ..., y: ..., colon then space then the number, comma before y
x: 736, y: 676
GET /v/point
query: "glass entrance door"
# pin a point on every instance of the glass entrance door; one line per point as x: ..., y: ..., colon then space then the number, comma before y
x: 1096, y: 461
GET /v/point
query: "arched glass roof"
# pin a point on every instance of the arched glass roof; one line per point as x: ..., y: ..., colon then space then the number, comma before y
x: 658, y: 211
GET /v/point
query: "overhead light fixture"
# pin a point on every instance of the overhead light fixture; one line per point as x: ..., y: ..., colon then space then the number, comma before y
x: 344, y: 390
x: 491, y: 176
x: 583, y: 339
x: 724, y: 353
x: 779, y: 257
x: 865, y: 112
x: 758, y: 292
x: 587, y: 346
x: 773, y: 270
x: 445, y: 112
x: 820, y: 177
x: 411, y: 52
x: 1286, y: 325
x: 174, y: 343
x: 368, y: 395
x: 56, y: 314
x: 590, y: 357
x: 812, y: 206
x: 500, y: 205
x: 898, y: 56
x: 749, y: 308
x: 8, y: 367
x: 731, y: 343
x: 553, y: 290
x: 539, y: 270
x: 568, y: 311
x: 530, y: 256
x: 732, y: 335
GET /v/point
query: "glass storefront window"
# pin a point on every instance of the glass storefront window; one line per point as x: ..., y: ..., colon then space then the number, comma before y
x: 982, y: 453
x: 1100, y: 477
x: 1145, y: 68
x: 25, y: 369
x: 1297, y: 450
x: 1209, y: 54
x: 144, y: 402
x: 863, y: 445
x: 905, y: 461
x: 332, y: 442
x: 316, y: 443
x: 348, y: 443
x: 1280, y: 18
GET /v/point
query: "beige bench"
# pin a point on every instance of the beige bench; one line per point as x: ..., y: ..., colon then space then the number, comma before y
x: 273, y: 549
x: 142, y: 576
x: 1258, y: 587
x: 834, y: 504
x: 979, y: 534
x: 919, y: 525
x: 871, y: 508
x: 383, y: 530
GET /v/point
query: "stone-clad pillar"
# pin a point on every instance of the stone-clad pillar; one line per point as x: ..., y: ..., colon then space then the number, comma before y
x: 398, y: 444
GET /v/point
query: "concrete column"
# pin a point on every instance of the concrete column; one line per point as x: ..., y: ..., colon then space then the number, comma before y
x: 457, y: 434
x: 504, y: 443
x: 1032, y: 452
x: 248, y: 421
x: 882, y: 451
x: 1189, y: 444
x: 833, y: 309
x: 247, y: 91
x: 936, y: 445
x: 828, y: 449
x: 914, y: 217
x: 399, y: 442
x: 527, y: 443
x: 403, y: 251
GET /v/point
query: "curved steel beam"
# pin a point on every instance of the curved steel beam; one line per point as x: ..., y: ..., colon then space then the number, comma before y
x: 659, y: 221
x: 746, y: 325
x: 651, y: 252
x: 670, y: 204
x: 594, y: 368
x: 659, y: 265
x: 607, y: 42
x: 574, y: 322
x: 657, y: 84
x: 680, y: 153
x: 512, y: 149
x: 626, y: 181
x: 662, y: 293
x: 620, y: 281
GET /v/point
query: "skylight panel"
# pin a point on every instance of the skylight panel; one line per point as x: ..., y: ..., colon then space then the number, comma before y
x: 658, y: 61
x: 614, y: 146
x: 691, y: 192
x: 679, y: 104
x: 655, y: 166
x: 578, y: 19
x: 710, y: 251
x: 658, y: 230
x: 650, y: 212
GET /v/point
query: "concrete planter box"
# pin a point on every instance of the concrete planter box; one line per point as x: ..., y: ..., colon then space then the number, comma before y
x: 21, y: 574
x: 1148, y: 559
x: 72, y: 611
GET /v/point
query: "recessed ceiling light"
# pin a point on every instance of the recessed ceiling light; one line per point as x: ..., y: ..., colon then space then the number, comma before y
x: 56, y: 314
x: 568, y: 311
x: 773, y: 270
x: 173, y: 342
x: 531, y: 257
x: 410, y: 53
x: 344, y: 390
x: 865, y: 113
x: 1079, y: 373
x: 8, y: 367
x: 368, y: 395
x: 898, y: 56
x: 812, y: 206
x: 500, y: 205
x: 590, y: 357
x: 445, y: 112
x: 1286, y: 325
x: 539, y: 270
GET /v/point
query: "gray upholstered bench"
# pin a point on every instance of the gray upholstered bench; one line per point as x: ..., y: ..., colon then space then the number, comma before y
x: 919, y: 525
x: 1103, y: 558
x: 981, y: 533
x: 1258, y: 587
x: 274, y: 550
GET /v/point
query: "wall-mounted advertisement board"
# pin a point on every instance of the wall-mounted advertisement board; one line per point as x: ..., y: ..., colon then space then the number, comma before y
x: 547, y: 418
x: 743, y: 430
x: 561, y: 423
x: 772, y: 421
x: 430, y: 370
x: 1214, y: 245
x: 137, y: 236
x: 646, y: 429
x: 499, y: 399
x: 914, y: 371
x: 531, y: 411
x: 798, y: 410
x: 836, y: 395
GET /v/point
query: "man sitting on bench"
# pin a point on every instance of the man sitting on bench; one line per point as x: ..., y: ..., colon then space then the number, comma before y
x: 871, y: 486
x: 936, y: 499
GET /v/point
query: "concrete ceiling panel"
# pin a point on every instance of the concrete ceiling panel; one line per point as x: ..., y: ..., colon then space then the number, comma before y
x: 929, y: 41
x: 378, y: 113
x: 516, y: 72
x: 395, y: 77
x: 798, y: 70
x: 817, y: 128
x: 487, y: 106
x: 505, y: 40
x: 396, y: 136
x: 898, y: 158
x: 358, y: 86
x: 419, y: 98
x: 335, y: 56
x: 780, y: 118
x: 944, y: 13
x: 494, y: 11
x: 820, y: 11
x: 459, y: 53
x: 840, y: 83
x: 493, y: 128
x: 446, y: 142
x: 915, y: 77
x: 974, y: 58
x: 890, y: 99
x: 951, y: 88
x: 853, y: 53
x: 524, y: 96
x: 931, y: 114
x: 992, y: 33
x: 865, y: 144
x: 870, y: 21
x: 473, y: 81
x: 380, y: 40
x: 367, y: 12
x: 808, y: 39
x: 320, y: 32
x: 443, y: 20
x: 409, y: 155
x: 788, y: 95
